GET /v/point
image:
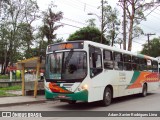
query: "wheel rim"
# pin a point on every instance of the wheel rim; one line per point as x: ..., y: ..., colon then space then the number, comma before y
x: 145, y: 91
x: 108, y: 97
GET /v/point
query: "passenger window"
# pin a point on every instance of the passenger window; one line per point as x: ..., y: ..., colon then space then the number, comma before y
x: 155, y: 66
x: 143, y: 64
x: 118, y: 61
x: 135, y: 63
x: 127, y: 62
x: 95, y: 57
x: 108, y: 59
x: 149, y: 65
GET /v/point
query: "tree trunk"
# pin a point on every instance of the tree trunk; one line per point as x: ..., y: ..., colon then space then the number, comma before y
x: 131, y: 26
x: 113, y: 34
x: 130, y: 35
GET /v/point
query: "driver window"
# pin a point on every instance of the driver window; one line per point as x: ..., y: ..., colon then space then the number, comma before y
x: 95, y: 57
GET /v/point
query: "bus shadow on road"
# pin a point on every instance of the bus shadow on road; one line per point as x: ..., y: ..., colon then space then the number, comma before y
x: 129, y: 98
x: 90, y: 106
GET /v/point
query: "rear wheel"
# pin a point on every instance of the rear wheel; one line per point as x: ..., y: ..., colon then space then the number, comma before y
x: 107, y: 97
x: 144, y: 90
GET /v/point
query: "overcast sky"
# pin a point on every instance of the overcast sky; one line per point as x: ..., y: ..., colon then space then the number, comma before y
x: 75, y: 14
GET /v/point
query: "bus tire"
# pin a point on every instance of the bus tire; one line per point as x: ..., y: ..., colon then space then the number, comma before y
x: 144, y: 90
x: 72, y: 101
x: 107, y: 97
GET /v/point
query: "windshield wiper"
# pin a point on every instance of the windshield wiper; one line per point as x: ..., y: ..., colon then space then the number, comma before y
x: 68, y: 58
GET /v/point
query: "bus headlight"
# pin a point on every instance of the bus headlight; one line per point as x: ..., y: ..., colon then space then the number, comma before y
x: 85, y: 87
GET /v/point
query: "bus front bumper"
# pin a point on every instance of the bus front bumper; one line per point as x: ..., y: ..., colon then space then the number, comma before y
x: 79, y: 96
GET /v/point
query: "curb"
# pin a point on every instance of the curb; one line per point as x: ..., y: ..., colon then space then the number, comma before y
x: 22, y: 103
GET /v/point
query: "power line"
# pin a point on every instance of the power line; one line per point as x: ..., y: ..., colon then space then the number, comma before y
x: 157, y: 18
x: 71, y: 5
x: 156, y: 13
x: 149, y: 27
x: 74, y: 4
x: 71, y: 20
x: 87, y: 4
x: 138, y: 42
x: 69, y: 25
x: 151, y: 11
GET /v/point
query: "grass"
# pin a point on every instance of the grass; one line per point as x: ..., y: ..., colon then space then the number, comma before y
x: 3, y: 91
x: 7, y: 77
x: 4, y: 77
x: 18, y: 87
x: 5, y: 94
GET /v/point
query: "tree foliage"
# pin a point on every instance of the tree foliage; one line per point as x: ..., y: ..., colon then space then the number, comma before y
x: 153, y: 49
x: 109, y: 21
x: 88, y: 33
x: 134, y: 12
x: 91, y: 22
x: 50, y: 18
x: 16, y: 17
x: 113, y: 24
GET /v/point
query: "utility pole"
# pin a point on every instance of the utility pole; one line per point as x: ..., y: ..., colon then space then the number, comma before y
x: 124, y: 24
x: 102, y: 21
x: 148, y: 36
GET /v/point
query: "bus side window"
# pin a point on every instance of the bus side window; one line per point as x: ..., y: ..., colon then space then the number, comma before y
x: 143, y: 64
x: 149, y: 65
x: 155, y: 66
x: 108, y: 59
x: 135, y: 63
x: 95, y: 57
x: 127, y: 62
x: 118, y: 61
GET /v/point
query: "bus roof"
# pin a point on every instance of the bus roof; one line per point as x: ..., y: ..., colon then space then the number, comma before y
x: 103, y: 46
x: 119, y: 50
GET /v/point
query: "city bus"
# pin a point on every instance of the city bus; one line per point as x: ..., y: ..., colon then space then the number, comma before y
x: 158, y: 62
x: 88, y: 71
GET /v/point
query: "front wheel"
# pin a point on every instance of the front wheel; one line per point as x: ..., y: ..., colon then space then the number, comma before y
x: 107, y: 97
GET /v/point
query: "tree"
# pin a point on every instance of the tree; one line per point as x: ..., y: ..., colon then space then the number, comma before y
x: 50, y: 18
x: 113, y: 24
x: 134, y: 13
x: 17, y: 13
x: 109, y: 21
x: 88, y: 33
x: 153, y: 49
x: 102, y: 17
x: 137, y: 31
x: 26, y: 37
x: 91, y: 22
x: 3, y: 46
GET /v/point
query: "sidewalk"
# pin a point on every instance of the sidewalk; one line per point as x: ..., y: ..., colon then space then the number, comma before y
x: 20, y: 100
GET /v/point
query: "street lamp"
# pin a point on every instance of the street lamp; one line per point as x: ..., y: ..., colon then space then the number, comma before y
x: 101, y: 19
x: 95, y: 15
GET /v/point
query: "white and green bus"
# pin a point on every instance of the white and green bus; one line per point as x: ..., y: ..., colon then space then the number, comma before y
x: 88, y: 71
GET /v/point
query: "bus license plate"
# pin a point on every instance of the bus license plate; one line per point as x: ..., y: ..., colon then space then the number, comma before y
x: 61, y: 96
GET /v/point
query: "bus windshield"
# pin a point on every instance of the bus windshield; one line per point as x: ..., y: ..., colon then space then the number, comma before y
x: 70, y: 65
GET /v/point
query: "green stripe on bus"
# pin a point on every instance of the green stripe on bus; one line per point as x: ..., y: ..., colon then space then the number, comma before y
x: 82, y: 95
x: 135, y: 76
x: 50, y: 95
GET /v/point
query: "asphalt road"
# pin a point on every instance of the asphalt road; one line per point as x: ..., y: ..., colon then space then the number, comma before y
x: 129, y: 103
